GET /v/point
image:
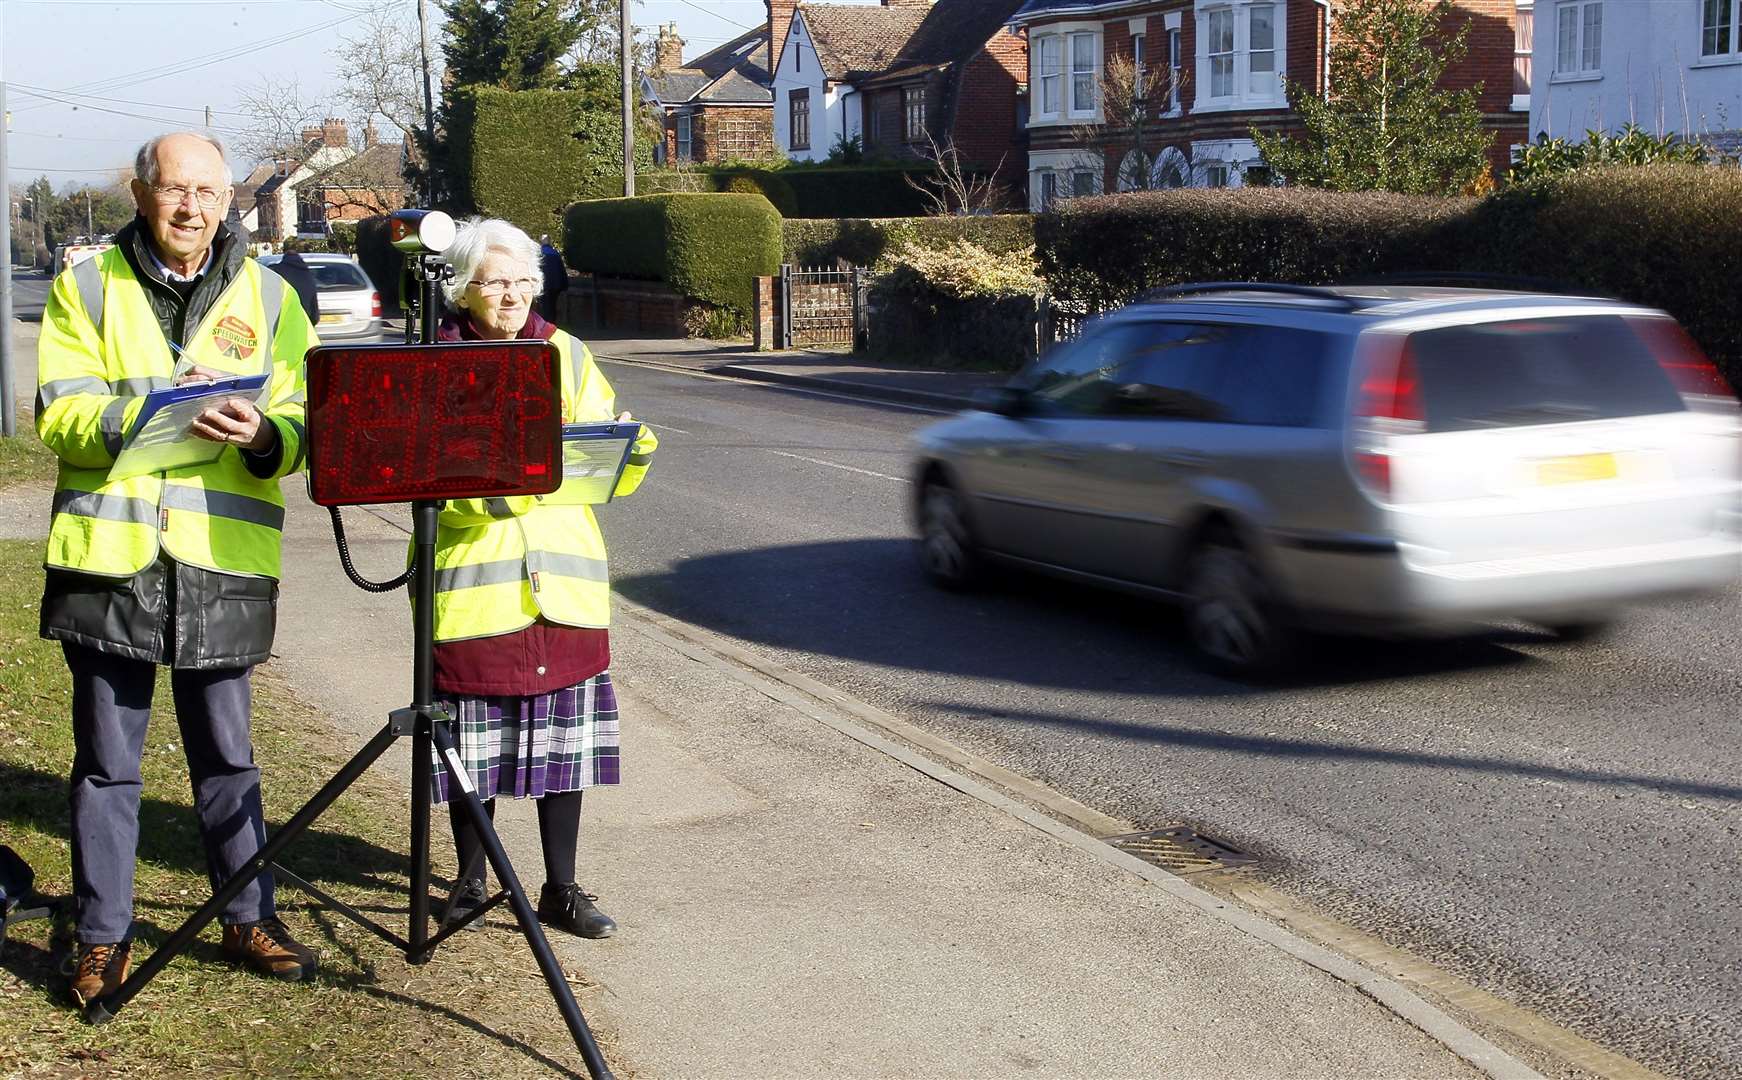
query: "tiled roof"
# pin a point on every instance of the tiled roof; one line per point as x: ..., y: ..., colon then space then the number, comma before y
x: 956, y: 29
x: 734, y: 73
x: 859, y: 37
x: 380, y: 166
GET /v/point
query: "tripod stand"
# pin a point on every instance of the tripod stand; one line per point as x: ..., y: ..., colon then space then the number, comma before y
x: 427, y: 725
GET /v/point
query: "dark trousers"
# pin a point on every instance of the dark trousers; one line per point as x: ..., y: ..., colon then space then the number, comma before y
x: 111, y: 705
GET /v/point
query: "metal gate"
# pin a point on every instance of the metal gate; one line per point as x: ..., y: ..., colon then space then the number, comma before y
x: 822, y: 307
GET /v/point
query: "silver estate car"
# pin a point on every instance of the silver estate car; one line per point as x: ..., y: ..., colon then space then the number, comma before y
x: 350, y: 306
x: 1350, y: 459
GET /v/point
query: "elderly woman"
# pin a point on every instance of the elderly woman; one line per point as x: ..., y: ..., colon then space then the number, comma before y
x: 521, y: 660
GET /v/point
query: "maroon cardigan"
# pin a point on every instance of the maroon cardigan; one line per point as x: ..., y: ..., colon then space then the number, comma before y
x: 540, y: 659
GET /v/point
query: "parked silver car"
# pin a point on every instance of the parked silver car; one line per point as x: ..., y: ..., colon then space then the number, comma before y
x: 1351, y: 458
x: 350, y: 306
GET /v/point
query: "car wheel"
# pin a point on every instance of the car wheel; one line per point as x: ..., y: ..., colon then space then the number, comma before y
x: 1231, y: 614
x: 946, y: 547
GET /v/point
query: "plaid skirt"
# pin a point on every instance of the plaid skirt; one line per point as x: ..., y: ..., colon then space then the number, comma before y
x: 544, y: 744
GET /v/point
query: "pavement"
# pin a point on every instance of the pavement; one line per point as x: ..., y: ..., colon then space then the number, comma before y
x: 800, y: 894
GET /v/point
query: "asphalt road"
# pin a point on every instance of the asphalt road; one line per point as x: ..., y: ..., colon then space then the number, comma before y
x: 29, y: 294
x: 1558, y: 824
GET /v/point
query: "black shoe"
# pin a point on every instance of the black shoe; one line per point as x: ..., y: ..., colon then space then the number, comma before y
x: 570, y: 908
x: 467, y: 897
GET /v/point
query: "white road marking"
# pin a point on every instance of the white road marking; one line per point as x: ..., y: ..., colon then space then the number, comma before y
x: 857, y: 399
x: 668, y: 427
x: 837, y: 465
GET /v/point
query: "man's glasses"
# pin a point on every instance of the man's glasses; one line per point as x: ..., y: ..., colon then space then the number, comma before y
x: 175, y: 195
x: 498, y: 286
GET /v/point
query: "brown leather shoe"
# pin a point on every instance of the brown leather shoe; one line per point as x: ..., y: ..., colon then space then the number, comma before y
x: 267, y: 947
x: 100, y: 969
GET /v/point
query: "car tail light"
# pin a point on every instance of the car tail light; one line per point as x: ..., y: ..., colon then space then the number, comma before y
x: 1681, y: 358
x: 374, y: 305
x: 1388, y: 403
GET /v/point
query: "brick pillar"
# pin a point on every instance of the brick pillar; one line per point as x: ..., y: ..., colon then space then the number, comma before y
x: 765, y: 317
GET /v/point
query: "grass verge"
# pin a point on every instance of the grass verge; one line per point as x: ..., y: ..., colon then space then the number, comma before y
x: 480, y: 1008
x: 24, y: 458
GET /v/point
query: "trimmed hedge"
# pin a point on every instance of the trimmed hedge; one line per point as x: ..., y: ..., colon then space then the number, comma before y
x: 524, y: 155
x: 867, y: 191
x: 738, y: 180
x: 862, y: 241
x: 706, y: 246
x: 1669, y: 236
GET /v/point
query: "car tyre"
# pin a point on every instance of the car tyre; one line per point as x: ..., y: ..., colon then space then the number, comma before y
x: 1232, y: 617
x: 946, y: 544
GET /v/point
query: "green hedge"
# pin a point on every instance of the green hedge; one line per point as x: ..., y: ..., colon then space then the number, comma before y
x: 862, y: 241
x: 524, y: 155
x: 704, y: 245
x: 804, y: 191
x: 1669, y: 236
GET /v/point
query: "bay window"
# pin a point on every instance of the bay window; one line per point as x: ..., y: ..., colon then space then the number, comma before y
x: 1242, y: 54
x: 1082, y: 73
x: 1050, y: 66
x: 1066, y: 63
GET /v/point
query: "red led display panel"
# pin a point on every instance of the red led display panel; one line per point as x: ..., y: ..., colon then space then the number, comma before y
x: 399, y: 423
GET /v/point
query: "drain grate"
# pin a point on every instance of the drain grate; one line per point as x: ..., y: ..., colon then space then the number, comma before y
x: 1180, y: 850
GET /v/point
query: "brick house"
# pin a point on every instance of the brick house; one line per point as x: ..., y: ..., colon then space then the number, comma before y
x: 275, y: 196
x: 1671, y: 66
x: 369, y: 182
x: 898, y: 74
x: 1227, y: 59
x: 717, y: 107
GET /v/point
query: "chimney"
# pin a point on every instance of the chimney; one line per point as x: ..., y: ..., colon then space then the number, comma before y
x: 779, y: 18
x: 333, y: 132
x: 311, y: 135
x: 668, y: 49
x: 371, y: 137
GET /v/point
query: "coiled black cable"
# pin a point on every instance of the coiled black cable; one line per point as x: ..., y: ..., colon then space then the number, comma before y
x: 351, y: 571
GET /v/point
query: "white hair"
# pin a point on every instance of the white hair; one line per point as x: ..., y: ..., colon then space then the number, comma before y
x: 477, y: 238
x: 145, y: 165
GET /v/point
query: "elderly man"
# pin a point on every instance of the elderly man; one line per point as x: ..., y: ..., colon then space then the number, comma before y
x: 176, y: 568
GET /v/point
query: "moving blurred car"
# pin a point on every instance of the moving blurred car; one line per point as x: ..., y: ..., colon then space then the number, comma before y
x: 349, y: 305
x: 1351, y: 458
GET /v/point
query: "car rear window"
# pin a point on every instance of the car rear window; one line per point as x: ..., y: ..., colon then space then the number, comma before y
x: 1538, y: 371
x: 336, y: 275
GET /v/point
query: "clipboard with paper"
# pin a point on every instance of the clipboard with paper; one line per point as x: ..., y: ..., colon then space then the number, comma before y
x: 159, y: 438
x: 594, y: 456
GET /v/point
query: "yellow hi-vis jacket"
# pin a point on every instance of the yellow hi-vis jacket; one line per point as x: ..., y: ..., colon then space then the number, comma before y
x: 101, y: 351
x: 502, y: 563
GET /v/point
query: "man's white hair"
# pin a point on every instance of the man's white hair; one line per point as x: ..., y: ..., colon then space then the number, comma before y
x: 477, y: 238
x: 145, y: 165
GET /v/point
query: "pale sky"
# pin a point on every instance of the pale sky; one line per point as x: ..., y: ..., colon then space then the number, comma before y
x: 134, y: 68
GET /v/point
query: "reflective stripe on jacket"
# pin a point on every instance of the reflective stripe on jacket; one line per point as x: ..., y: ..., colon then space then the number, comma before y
x: 102, y: 349
x: 501, y: 563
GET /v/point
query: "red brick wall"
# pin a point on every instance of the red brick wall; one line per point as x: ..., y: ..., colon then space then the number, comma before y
x: 708, y: 128
x: 985, y: 128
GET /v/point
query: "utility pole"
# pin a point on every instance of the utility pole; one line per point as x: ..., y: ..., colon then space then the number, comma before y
x: 8, y: 402
x: 208, y: 118
x: 428, y: 108
x: 627, y: 30
x: 90, y: 229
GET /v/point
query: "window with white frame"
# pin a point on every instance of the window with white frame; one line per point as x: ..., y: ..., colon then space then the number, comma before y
x: 1046, y: 189
x: 1721, y: 28
x: 685, y: 142
x: 1241, y: 54
x: 1261, y: 50
x: 1523, y: 38
x: 1082, y: 74
x: 1221, y: 53
x: 1050, y: 74
x: 1579, y: 37
x: 1085, y: 182
x: 1217, y: 174
x: 1173, y: 70
x: 1137, y: 64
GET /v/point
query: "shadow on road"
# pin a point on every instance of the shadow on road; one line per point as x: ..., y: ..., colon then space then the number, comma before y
x: 866, y: 601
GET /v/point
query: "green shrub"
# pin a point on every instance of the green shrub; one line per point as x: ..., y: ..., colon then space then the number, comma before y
x: 1632, y: 146
x: 1667, y: 235
x: 524, y: 155
x: 1103, y: 251
x: 706, y: 246
x: 864, y: 242
x: 866, y: 191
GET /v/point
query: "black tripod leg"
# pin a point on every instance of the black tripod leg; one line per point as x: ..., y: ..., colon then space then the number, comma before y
x: 460, y: 786
x: 106, y: 1007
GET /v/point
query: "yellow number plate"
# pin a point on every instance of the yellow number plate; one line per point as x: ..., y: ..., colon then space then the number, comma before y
x: 332, y: 317
x: 1576, y: 470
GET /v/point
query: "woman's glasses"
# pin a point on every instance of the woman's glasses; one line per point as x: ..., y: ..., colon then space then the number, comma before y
x: 498, y: 286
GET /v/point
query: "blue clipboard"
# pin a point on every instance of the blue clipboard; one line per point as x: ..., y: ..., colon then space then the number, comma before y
x: 594, y: 456
x: 159, y: 437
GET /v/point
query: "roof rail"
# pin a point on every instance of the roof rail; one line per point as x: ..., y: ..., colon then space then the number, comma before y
x: 1314, y: 292
x: 1474, y: 280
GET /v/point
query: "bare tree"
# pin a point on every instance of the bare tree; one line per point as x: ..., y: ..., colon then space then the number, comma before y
x: 379, y: 69
x: 1132, y: 99
x: 952, y: 189
x: 277, y: 114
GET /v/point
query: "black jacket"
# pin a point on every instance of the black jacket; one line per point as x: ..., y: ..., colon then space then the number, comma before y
x: 294, y: 269
x: 171, y: 613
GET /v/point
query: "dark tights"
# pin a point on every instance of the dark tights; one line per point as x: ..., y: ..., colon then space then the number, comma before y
x: 559, y: 830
